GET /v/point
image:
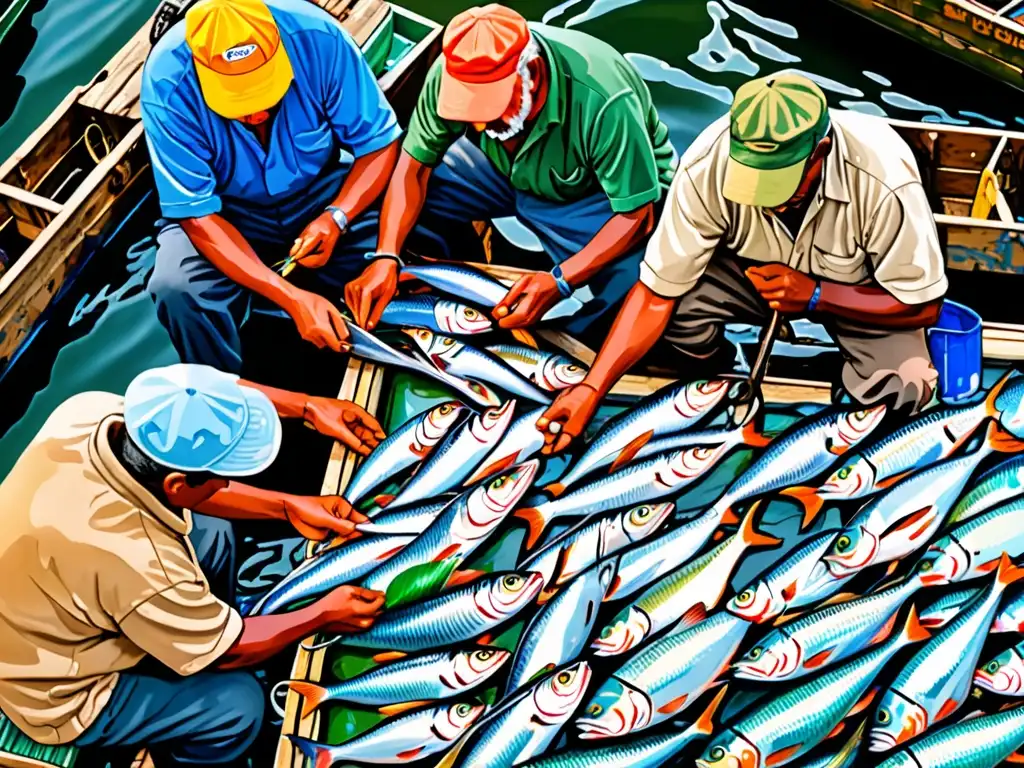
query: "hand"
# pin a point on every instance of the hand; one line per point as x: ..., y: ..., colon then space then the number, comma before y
x: 572, y: 410
x: 369, y: 294
x: 319, y: 321
x: 784, y: 288
x: 527, y: 301
x: 345, y: 422
x: 349, y: 609
x: 314, y: 246
x: 316, y: 517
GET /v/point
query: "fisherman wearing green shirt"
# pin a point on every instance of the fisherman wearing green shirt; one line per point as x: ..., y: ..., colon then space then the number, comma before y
x: 549, y: 125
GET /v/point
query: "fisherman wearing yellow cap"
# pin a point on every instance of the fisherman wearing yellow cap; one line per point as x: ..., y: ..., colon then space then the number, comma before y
x: 784, y: 205
x: 270, y: 140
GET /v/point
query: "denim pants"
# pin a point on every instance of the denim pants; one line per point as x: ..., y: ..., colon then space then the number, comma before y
x: 207, y: 719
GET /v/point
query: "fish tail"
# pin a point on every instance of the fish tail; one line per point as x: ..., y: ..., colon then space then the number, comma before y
x: 1001, y: 441
x: 751, y: 536
x: 705, y: 723
x: 321, y: 756
x: 555, y: 489
x: 312, y: 695
x: 536, y: 521
x: 525, y: 337
x: 1008, y: 573
x: 753, y: 437
x: 491, y: 469
x: 913, y: 630
x: 993, y: 395
x: 809, y: 499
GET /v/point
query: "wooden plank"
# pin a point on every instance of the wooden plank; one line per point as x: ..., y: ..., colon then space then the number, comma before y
x: 30, y: 198
x: 43, y: 147
x: 17, y: 761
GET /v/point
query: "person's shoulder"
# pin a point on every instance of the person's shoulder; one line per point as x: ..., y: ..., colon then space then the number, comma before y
x: 709, y: 147
x: 168, y: 65
x: 83, y: 412
x: 588, y: 61
x: 874, y: 151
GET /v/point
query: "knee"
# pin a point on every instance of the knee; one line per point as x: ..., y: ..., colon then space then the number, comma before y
x: 237, y: 708
x: 169, y: 284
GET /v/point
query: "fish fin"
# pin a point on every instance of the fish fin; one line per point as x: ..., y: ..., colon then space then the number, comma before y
x: 318, y: 753
x: 948, y: 708
x: 989, y: 566
x: 836, y: 599
x: 312, y: 695
x: 913, y: 630
x: 913, y: 520
x: 1008, y: 572
x: 784, y: 755
x: 485, y: 639
x: 1016, y: 758
x: 674, y: 706
x: 491, y: 469
x: 396, y: 709
x: 546, y: 595
x: 729, y: 517
x: 447, y: 552
x: 535, y: 520
x: 884, y: 631
x: 409, y: 754
x: 751, y: 537
x: 835, y: 731
x: 753, y: 437
x: 993, y: 395
x: 693, y: 616
x: 555, y: 489
x: 787, y: 617
x: 809, y: 499
x: 450, y: 758
x: 524, y: 337
x: 616, y: 583
x: 891, y: 481
x: 390, y: 553
x: 386, y: 656
x: 843, y: 756
x: 626, y: 454
x: 705, y: 723
x: 462, y: 577
x: 718, y: 535
x: 818, y: 659
x: 1001, y: 441
x: 789, y: 592
x: 863, y: 703
x: 891, y: 569
x: 383, y: 499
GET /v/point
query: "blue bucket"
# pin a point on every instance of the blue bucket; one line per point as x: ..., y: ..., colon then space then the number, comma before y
x: 955, y: 345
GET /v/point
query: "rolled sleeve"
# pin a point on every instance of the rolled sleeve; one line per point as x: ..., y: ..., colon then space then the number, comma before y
x: 184, y: 627
x: 903, y: 245
x: 429, y: 135
x: 623, y: 156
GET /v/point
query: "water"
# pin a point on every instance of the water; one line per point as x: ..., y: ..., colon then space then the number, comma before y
x: 693, y: 54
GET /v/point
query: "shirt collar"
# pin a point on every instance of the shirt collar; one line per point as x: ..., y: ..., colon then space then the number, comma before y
x: 835, y: 185
x: 118, y: 478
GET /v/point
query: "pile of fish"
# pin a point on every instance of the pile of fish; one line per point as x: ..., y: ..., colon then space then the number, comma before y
x: 886, y: 630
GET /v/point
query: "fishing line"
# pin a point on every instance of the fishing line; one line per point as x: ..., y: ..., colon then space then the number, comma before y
x: 275, y: 695
x: 319, y: 646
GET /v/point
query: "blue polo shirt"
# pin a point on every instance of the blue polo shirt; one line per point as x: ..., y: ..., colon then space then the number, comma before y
x: 203, y: 163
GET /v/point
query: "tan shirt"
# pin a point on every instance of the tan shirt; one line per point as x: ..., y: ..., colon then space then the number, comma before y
x: 95, y: 574
x: 869, y: 221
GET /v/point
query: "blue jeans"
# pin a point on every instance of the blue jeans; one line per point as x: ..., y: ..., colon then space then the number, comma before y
x: 207, y: 719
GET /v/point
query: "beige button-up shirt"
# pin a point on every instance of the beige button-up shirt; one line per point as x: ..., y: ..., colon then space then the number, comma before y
x: 869, y: 221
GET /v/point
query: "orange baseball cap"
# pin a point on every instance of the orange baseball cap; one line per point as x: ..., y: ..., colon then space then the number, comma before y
x: 236, y: 46
x: 481, y: 51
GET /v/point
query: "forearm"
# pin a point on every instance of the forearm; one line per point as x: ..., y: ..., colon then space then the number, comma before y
x: 874, y: 306
x: 403, y: 203
x: 289, y: 405
x: 266, y: 636
x: 640, y: 323
x: 225, y: 247
x: 238, y: 501
x: 366, y: 180
x: 619, y: 235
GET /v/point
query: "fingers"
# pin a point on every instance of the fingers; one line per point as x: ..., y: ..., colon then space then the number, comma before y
x: 338, y: 339
x: 357, y: 517
x: 507, y: 304
x: 366, y: 595
x: 521, y: 316
x: 355, y: 412
x: 363, y: 305
x: 352, y: 441
x: 379, y: 306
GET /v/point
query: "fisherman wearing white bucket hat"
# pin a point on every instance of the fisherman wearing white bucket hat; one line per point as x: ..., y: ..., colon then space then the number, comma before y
x: 105, y: 565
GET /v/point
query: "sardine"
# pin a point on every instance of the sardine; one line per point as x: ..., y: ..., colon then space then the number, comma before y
x: 938, y: 613
x: 337, y: 565
x: 937, y: 680
x: 660, y: 680
x: 411, y: 520
x: 461, y: 528
x: 825, y: 637
x: 1000, y: 484
x: 457, y: 359
x: 412, y: 737
x: 521, y: 441
x: 558, y: 633
x: 581, y: 546
x: 454, y: 616
x: 972, y: 548
x: 524, y: 725
x: 550, y: 371
x: 799, y: 579
x: 435, y: 314
x: 848, y: 755
x: 790, y: 725
x: 673, y: 409
x: 684, y: 596
x: 1010, y: 617
x: 408, y: 683
x: 409, y: 444
x: 647, y: 481
x: 456, y: 457
x: 980, y: 742
x: 1004, y: 674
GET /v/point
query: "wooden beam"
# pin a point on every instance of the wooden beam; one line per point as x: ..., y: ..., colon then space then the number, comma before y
x: 30, y: 198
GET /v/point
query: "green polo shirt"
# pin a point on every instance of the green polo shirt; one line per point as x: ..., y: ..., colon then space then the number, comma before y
x: 598, y: 129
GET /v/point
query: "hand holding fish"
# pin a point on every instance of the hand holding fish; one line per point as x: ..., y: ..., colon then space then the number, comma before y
x: 318, y: 321
x: 316, y: 517
x: 345, y: 421
x: 527, y: 301
x: 313, y: 248
x: 369, y: 294
x: 567, y: 417
x: 782, y: 287
x: 348, y: 609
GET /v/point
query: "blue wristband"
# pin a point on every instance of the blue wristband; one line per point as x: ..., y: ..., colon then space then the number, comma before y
x: 563, y: 285
x: 814, y: 297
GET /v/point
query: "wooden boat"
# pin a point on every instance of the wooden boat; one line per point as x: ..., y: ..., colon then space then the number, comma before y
x: 985, y: 34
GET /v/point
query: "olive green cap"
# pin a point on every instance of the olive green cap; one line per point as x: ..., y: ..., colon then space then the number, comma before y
x: 775, y: 124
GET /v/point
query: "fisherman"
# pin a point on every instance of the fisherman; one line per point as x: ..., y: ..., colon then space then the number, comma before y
x: 270, y: 140
x: 549, y: 125
x: 784, y: 205
x: 117, y: 620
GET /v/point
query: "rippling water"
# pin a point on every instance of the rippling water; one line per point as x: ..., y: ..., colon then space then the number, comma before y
x: 693, y: 55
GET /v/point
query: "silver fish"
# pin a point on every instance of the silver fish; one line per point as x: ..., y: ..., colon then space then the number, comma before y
x: 456, y: 457
x: 559, y: 632
x: 550, y: 371
x: 1004, y: 674
x: 435, y: 314
x: 407, y: 520
x: 938, y: 613
x: 847, y: 757
x: 463, y: 526
x: 521, y: 441
x: 674, y: 409
x: 980, y: 742
x: 337, y: 565
x: 972, y: 548
x: 455, y: 616
x: 1011, y: 615
x: 457, y: 359
x: 393, y: 742
x: 1000, y: 484
x: 410, y: 444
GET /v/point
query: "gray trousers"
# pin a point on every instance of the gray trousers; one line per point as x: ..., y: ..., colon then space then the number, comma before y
x: 890, y: 366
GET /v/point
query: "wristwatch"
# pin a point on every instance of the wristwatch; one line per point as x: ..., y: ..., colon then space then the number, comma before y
x: 374, y: 255
x: 563, y: 285
x: 339, y: 216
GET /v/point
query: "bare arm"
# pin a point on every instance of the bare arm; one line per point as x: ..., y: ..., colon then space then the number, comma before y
x: 403, y: 203
x: 619, y: 235
x: 874, y: 306
x: 366, y: 180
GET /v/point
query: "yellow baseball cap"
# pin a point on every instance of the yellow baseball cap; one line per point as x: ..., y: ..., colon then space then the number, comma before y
x: 242, y: 65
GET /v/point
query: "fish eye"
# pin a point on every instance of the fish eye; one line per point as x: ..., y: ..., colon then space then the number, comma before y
x: 445, y: 409
x: 565, y: 678
x: 844, y: 473
x: 512, y: 581
x: 883, y: 716
x: 463, y: 709
x: 606, y: 633
x: 716, y: 753
x: 572, y: 368
x: 484, y: 655
x: 471, y: 314
x: 448, y: 342
x: 843, y: 543
x: 594, y: 710
x: 745, y: 596
x: 861, y: 415
x: 992, y: 667
x: 499, y: 482
x: 925, y: 566
x: 755, y: 652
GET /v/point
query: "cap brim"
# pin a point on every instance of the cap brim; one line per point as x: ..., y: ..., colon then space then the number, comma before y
x: 260, y: 442
x: 761, y: 188
x: 474, y: 102
x: 235, y: 96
